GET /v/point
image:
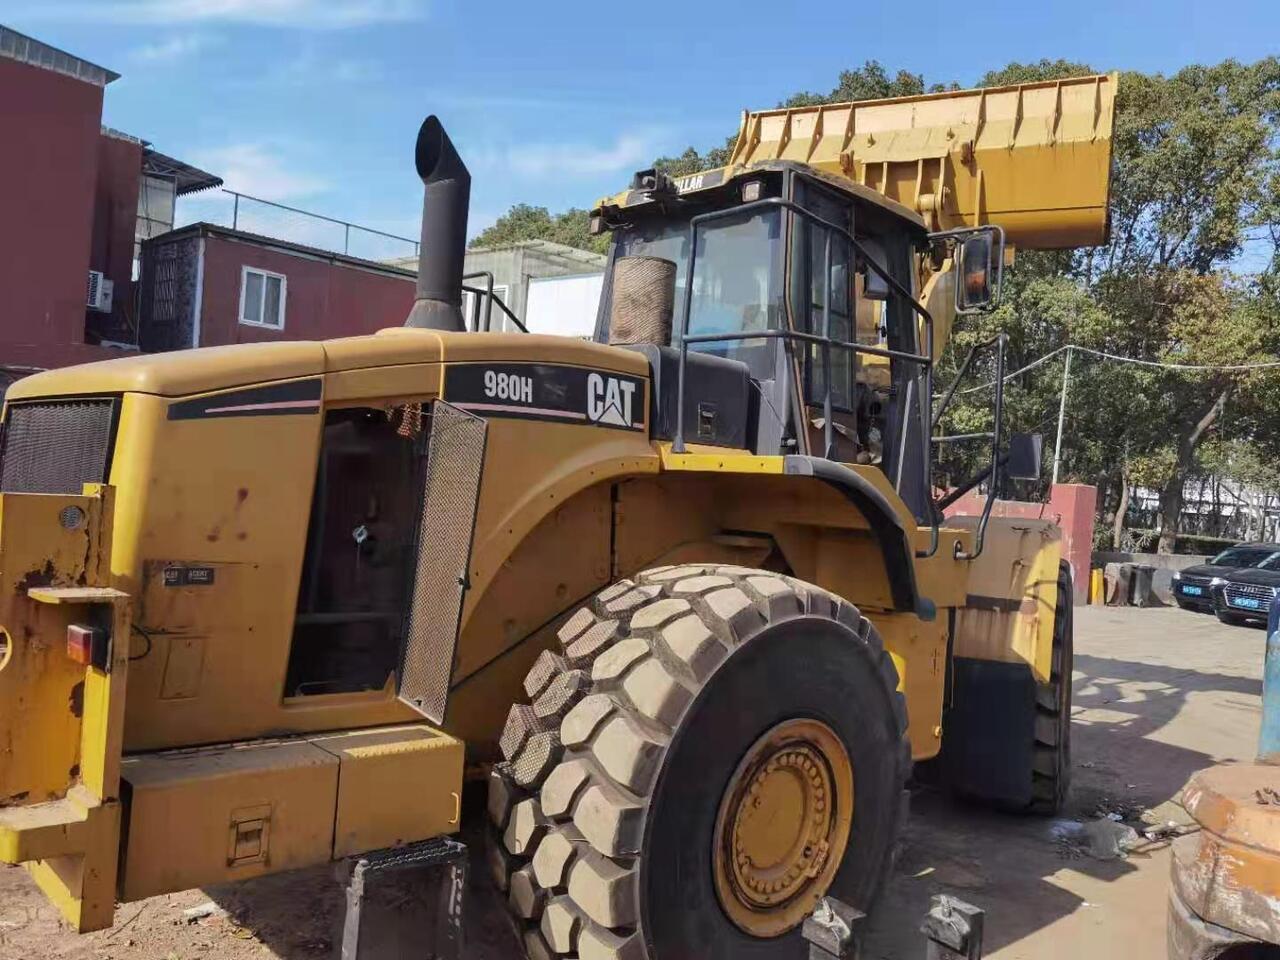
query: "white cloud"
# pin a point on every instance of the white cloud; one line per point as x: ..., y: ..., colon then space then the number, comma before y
x: 258, y: 170
x: 171, y: 49
x: 309, y: 67
x: 296, y: 14
x: 628, y: 152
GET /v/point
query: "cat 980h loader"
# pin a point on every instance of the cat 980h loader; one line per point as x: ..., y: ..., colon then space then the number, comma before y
x: 683, y: 592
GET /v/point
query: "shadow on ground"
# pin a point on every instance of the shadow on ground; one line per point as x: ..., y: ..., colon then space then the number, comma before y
x: 1119, y: 709
x: 1001, y: 862
x: 299, y: 915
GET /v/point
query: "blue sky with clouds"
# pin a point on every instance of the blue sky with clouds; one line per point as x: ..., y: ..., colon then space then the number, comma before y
x: 316, y: 102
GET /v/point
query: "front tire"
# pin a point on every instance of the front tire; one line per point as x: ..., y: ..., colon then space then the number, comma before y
x: 714, y: 749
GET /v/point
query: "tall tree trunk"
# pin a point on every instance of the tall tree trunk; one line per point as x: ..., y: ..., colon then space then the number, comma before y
x: 1171, y: 494
x: 1122, y: 509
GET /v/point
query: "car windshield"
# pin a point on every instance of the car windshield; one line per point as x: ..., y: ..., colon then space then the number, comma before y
x: 1243, y: 557
x: 1271, y: 563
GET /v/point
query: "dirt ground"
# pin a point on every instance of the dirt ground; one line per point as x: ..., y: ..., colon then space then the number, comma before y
x: 1158, y: 694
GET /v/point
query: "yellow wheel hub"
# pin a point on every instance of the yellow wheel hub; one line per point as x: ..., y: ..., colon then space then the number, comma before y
x: 783, y: 827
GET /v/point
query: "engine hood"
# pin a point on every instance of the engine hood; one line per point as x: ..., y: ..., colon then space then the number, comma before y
x: 1206, y: 571
x: 1266, y: 578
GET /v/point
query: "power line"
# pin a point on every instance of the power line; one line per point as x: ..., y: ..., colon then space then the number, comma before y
x: 1179, y: 366
x: 1201, y: 367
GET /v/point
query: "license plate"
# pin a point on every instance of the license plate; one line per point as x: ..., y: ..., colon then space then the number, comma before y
x: 1192, y: 591
x: 1249, y: 603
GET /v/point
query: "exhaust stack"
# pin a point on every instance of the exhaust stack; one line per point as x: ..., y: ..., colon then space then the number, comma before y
x: 447, y: 195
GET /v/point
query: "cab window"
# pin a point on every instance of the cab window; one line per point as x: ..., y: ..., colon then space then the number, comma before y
x: 815, y: 282
x: 738, y: 288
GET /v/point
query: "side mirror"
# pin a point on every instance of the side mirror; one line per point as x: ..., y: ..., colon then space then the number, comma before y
x: 979, y: 264
x: 1024, y: 456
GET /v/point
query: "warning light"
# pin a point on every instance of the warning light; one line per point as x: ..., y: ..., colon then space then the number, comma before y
x: 87, y: 646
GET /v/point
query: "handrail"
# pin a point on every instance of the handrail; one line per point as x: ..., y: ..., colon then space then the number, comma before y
x: 979, y: 539
x: 345, y: 224
x: 475, y: 301
x: 924, y: 362
x: 488, y: 293
x: 964, y: 368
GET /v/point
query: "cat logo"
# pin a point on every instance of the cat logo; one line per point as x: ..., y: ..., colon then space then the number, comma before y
x: 609, y: 400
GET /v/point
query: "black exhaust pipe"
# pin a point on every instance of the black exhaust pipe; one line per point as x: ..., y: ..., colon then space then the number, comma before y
x: 438, y: 303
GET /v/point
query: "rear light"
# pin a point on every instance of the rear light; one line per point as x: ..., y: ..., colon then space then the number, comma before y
x: 87, y: 645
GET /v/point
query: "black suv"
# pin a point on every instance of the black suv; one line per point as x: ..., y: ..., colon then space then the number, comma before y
x: 1193, y: 588
x: 1246, y: 595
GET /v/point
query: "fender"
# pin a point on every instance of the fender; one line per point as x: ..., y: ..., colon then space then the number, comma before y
x: 885, y: 524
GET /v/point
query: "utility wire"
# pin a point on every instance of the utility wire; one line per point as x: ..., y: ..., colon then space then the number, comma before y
x: 1269, y: 364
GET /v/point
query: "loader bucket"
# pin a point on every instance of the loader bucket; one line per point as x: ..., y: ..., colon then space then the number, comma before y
x: 1034, y: 158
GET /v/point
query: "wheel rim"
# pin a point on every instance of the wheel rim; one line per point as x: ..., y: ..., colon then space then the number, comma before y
x: 783, y: 826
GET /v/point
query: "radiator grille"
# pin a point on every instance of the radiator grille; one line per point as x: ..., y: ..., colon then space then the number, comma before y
x: 1236, y: 592
x: 451, y: 489
x: 56, y: 447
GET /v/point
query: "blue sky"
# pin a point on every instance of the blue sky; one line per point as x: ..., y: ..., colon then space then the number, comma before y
x: 316, y: 103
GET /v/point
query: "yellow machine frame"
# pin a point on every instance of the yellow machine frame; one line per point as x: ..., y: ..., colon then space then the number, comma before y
x: 206, y: 772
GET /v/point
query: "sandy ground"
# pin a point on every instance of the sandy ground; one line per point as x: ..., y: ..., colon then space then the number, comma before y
x: 1158, y: 694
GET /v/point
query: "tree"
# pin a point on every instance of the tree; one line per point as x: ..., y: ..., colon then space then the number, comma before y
x: 525, y: 222
x: 1195, y: 174
x: 869, y: 82
x: 1035, y: 72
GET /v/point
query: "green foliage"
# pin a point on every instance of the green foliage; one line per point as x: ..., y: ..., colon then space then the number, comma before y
x: 691, y: 161
x: 869, y: 82
x: 524, y: 222
x: 1034, y: 72
x: 1196, y: 168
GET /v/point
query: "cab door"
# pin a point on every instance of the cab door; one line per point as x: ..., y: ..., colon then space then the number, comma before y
x: 823, y: 299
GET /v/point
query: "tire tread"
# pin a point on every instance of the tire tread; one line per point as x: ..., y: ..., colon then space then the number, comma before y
x: 630, y: 662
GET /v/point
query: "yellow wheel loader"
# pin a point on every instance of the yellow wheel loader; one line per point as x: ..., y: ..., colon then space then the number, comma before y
x: 682, y: 594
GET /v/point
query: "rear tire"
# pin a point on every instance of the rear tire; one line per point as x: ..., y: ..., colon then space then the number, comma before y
x: 1007, y: 737
x: 1051, y: 761
x: 609, y: 812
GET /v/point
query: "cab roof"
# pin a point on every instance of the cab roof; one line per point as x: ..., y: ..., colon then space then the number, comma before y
x: 693, y: 184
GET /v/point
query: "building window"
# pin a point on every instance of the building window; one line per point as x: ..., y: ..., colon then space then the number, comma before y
x: 262, y: 298
x: 155, y: 212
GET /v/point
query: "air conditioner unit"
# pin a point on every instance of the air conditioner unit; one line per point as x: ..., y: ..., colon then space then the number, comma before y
x: 100, y: 291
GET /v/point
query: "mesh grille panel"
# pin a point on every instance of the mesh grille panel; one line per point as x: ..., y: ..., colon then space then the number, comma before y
x: 455, y: 458
x: 56, y: 447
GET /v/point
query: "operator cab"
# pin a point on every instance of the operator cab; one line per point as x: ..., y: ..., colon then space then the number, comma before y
x: 800, y: 282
